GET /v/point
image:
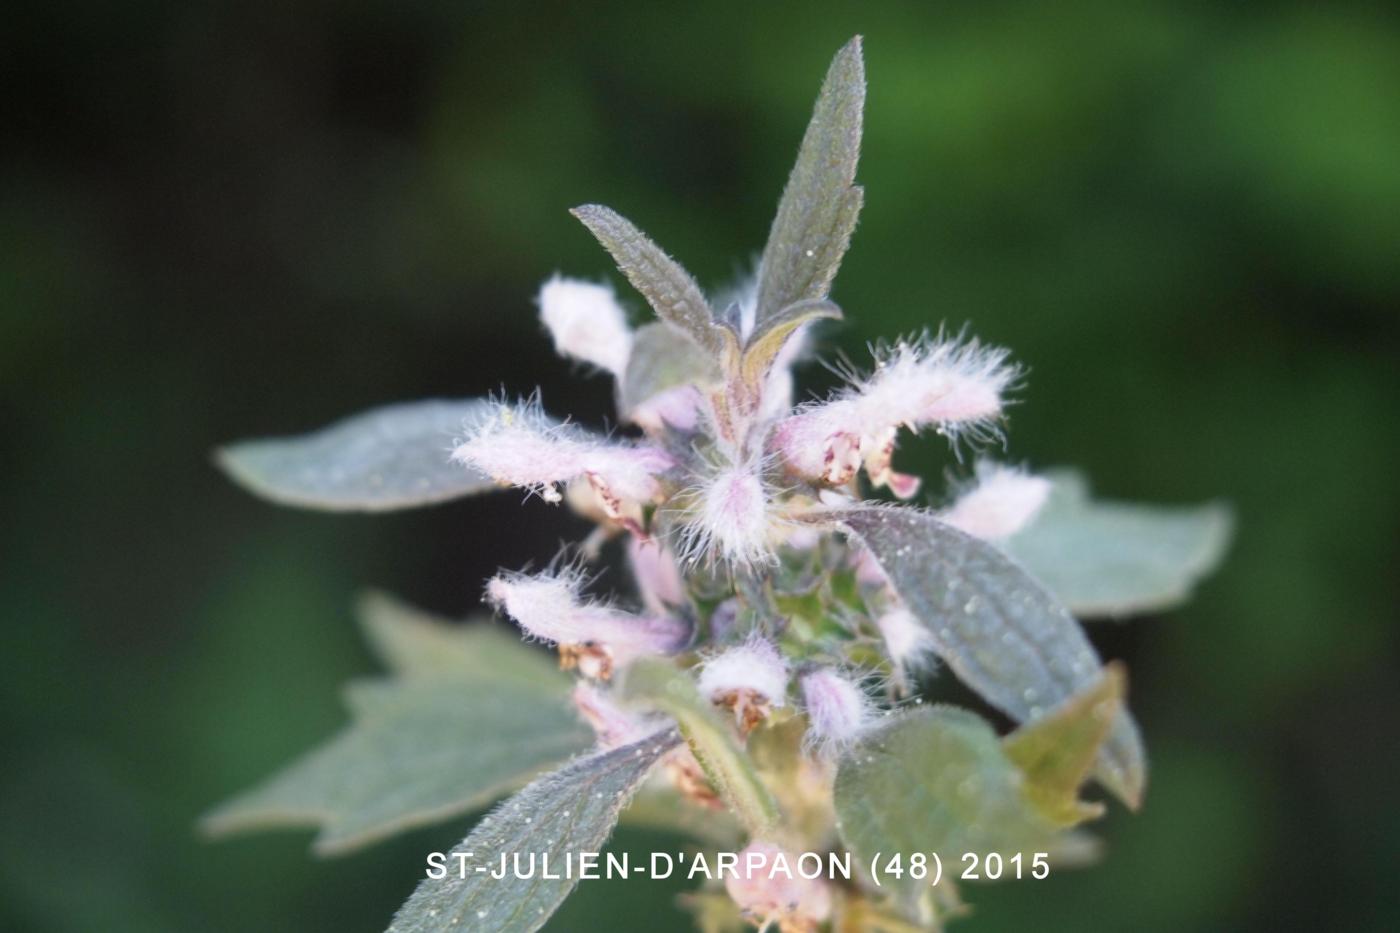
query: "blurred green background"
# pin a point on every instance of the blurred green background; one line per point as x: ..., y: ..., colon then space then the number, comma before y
x: 228, y: 220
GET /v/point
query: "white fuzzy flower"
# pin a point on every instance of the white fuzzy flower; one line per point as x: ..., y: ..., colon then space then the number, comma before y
x: 733, y: 516
x: 593, y: 637
x: 838, y: 710
x: 586, y: 322
x: 909, y: 644
x: 519, y: 446
x: 1004, y: 501
x: 957, y: 387
x: 770, y: 889
x: 751, y: 679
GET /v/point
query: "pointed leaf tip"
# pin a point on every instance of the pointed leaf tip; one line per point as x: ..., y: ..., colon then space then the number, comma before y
x: 392, y: 457
x: 1057, y: 752
x: 821, y: 203
x: 665, y: 284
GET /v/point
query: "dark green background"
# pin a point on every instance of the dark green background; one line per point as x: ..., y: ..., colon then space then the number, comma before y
x: 220, y: 221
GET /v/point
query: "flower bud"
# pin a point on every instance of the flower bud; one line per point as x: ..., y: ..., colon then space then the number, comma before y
x: 751, y: 679
x: 586, y: 322
x: 1004, y: 501
x: 769, y: 889
x: 838, y: 710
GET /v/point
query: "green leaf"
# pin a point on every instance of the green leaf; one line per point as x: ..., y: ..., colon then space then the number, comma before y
x: 820, y: 205
x: 663, y: 358
x: 1057, y: 751
x: 446, y: 736
x: 1116, y: 559
x: 933, y: 780
x: 568, y: 811
x: 669, y: 289
x: 768, y: 338
x: 395, y: 457
x: 414, y: 643
x: 998, y: 629
x: 661, y: 686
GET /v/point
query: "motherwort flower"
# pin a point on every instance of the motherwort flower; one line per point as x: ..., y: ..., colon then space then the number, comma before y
x: 592, y: 636
x: 518, y: 445
x: 957, y: 386
x: 586, y: 322
x: 750, y: 679
x: 1002, y: 502
x: 838, y: 710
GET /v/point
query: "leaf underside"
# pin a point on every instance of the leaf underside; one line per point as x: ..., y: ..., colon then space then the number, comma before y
x: 998, y: 629
x: 1116, y: 559
x: 393, y: 457
x: 571, y: 810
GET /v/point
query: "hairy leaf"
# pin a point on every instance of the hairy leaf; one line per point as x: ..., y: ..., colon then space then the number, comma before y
x: 998, y: 629
x: 933, y: 780
x: 820, y: 204
x: 669, y: 289
x: 471, y: 714
x: 1115, y: 559
x: 1057, y: 751
x: 663, y: 358
x: 661, y: 686
x: 568, y: 811
x: 416, y: 753
x: 414, y: 643
x: 394, y: 457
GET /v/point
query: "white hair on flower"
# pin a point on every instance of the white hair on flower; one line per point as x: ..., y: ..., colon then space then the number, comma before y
x: 732, y: 515
x: 838, y: 710
x: 750, y: 678
x: 591, y: 635
x: 518, y: 445
x: 1003, y: 501
x: 953, y: 384
x: 907, y: 642
x: 586, y: 322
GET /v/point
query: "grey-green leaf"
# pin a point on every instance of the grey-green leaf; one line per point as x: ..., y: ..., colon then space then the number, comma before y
x: 663, y: 357
x: 933, y: 780
x: 417, y: 752
x: 669, y: 289
x: 1115, y: 558
x: 471, y: 713
x: 568, y: 811
x: 414, y: 643
x: 998, y: 629
x: 394, y: 457
x: 820, y: 204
